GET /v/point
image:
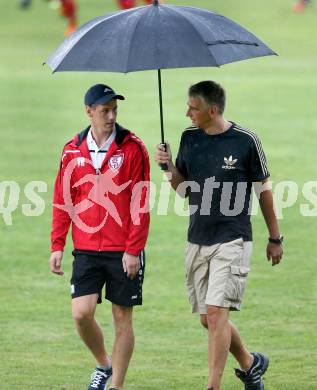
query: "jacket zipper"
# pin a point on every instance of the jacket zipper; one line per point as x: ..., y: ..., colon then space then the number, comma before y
x: 98, y: 170
x: 99, y: 217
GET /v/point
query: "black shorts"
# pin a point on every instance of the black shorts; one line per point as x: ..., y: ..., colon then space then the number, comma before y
x: 92, y: 270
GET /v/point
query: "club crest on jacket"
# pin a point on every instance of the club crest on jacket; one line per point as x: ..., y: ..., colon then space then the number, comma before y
x: 115, y: 162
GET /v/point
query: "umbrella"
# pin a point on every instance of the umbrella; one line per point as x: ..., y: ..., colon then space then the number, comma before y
x: 156, y: 36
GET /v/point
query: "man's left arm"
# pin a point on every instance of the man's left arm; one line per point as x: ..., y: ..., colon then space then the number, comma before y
x: 274, y: 251
x: 139, y: 211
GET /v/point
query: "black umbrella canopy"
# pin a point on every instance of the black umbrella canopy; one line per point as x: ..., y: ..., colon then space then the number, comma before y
x: 158, y: 37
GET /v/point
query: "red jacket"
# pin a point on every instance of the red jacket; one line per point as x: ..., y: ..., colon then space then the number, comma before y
x: 108, y: 209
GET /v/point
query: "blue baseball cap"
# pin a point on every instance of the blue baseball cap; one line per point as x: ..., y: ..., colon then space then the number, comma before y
x: 100, y: 94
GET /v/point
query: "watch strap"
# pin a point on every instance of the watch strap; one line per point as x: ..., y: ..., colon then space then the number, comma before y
x: 277, y: 241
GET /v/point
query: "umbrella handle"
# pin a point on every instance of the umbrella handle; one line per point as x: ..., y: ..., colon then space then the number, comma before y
x: 164, y: 167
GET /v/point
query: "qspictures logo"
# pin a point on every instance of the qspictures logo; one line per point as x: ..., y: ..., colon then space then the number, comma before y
x: 29, y: 201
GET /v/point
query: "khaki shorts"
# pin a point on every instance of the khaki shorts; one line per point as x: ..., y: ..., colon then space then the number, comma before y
x: 216, y: 275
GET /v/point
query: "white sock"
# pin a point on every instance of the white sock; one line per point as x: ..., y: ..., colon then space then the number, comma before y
x: 105, y: 367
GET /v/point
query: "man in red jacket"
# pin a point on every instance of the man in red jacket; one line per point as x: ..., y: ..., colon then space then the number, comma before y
x: 102, y: 189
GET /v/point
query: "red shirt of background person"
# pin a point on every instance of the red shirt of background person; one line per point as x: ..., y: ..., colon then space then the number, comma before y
x: 125, y: 4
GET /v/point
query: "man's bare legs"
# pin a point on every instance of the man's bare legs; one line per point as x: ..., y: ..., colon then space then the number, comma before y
x: 123, y: 345
x: 238, y: 349
x: 219, y: 339
x: 223, y: 336
x: 83, y: 309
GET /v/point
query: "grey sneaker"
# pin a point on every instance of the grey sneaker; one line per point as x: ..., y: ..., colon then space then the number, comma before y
x: 252, y: 379
x: 99, y: 379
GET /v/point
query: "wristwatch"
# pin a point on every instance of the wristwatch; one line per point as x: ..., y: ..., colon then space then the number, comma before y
x: 277, y: 241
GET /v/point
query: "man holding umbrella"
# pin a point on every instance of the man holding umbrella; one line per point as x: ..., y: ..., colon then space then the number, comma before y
x: 100, y: 189
x: 217, y: 163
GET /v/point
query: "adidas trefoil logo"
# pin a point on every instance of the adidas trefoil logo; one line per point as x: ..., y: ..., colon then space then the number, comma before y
x: 229, y: 163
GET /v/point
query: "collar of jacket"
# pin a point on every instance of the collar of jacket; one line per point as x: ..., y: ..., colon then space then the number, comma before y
x: 122, y: 133
x: 122, y: 136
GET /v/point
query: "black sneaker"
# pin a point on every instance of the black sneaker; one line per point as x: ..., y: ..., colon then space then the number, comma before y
x: 99, y: 379
x: 252, y: 379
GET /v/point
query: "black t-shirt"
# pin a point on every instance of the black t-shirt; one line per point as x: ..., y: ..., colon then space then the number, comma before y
x: 219, y: 171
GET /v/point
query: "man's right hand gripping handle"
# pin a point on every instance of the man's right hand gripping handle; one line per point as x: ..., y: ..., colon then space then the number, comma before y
x: 163, y: 156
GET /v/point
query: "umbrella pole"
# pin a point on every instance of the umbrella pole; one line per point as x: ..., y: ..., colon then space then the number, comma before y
x: 161, y: 106
x: 163, y: 166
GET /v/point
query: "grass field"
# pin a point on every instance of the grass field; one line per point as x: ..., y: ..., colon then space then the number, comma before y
x: 275, y: 96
